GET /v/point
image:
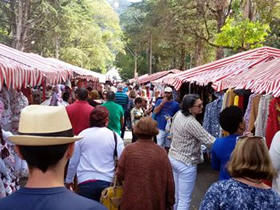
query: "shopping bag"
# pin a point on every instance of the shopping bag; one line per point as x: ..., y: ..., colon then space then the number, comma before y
x: 111, y: 197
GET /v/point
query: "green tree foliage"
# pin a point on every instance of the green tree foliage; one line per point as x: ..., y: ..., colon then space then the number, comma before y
x: 273, y: 38
x: 188, y: 33
x: 242, y: 34
x: 85, y: 32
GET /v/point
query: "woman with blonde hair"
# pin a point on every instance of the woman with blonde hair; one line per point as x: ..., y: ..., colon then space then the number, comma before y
x: 249, y: 165
x: 145, y: 171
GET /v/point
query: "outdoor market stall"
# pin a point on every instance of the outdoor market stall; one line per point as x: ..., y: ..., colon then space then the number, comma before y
x: 251, y: 80
x: 219, y: 70
x: 18, y: 72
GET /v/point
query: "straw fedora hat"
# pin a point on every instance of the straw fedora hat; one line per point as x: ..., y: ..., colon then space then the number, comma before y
x: 44, y: 126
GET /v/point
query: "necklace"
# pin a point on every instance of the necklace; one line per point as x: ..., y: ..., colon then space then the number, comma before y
x: 256, y: 181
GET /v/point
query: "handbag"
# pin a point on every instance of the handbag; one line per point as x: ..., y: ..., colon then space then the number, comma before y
x: 111, y: 196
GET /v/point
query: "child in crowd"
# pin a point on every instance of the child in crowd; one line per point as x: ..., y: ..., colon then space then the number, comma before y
x: 136, y: 114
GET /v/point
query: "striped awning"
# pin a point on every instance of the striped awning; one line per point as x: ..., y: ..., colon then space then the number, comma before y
x: 138, y: 78
x: 263, y: 78
x: 19, y: 69
x: 216, y: 72
x: 157, y: 76
x: 77, y: 71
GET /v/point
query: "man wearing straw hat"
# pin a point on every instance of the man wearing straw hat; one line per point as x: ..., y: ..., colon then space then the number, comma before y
x: 46, y: 142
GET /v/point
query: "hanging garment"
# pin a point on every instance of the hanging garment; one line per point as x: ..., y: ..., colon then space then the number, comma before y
x: 18, y: 101
x: 211, y: 117
x: 248, y: 110
x: 273, y: 121
x: 6, y: 118
x: 224, y: 100
x: 253, y: 112
x: 241, y: 102
x: 230, y: 98
x: 261, y: 121
x: 236, y: 101
x: 11, y: 167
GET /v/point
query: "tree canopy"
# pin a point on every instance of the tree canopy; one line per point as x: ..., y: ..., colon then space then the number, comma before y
x: 149, y: 35
x: 86, y: 33
x: 188, y: 33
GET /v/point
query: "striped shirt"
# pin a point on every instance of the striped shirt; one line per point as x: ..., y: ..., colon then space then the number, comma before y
x: 188, y: 135
x: 122, y: 99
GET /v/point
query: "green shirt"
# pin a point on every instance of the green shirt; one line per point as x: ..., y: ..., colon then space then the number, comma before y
x: 115, y: 114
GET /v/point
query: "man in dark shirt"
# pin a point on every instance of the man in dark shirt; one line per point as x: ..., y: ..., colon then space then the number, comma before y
x: 46, y: 142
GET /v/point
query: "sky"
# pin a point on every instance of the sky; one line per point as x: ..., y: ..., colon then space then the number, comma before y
x: 134, y: 0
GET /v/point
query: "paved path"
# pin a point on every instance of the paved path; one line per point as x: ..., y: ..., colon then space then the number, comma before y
x: 205, y: 177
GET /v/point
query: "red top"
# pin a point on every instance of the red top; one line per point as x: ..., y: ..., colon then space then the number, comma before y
x: 273, y: 121
x: 78, y: 113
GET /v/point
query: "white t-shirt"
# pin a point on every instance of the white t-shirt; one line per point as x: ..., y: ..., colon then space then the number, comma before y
x: 93, y: 155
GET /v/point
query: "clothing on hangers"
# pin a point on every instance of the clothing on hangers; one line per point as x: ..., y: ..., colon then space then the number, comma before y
x: 253, y: 113
x: 273, y: 121
x: 211, y: 117
x: 261, y: 121
x: 248, y: 111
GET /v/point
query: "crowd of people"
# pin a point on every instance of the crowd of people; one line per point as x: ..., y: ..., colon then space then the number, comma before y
x: 70, y: 142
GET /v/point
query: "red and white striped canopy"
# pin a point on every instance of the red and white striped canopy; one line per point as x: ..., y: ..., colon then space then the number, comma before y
x: 19, y: 69
x: 82, y: 73
x: 35, y: 65
x: 138, y: 78
x: 162, y: 79
x: 16, y: 75
x: 157, y: 76
x: 263, y: 78
x: 217, y: 71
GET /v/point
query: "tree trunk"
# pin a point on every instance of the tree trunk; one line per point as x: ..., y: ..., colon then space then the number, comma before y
x: 150, y: 53
x: 198, y: 56
x: 183, y: 58
x: 220, y: 24
x: 248, y: 10
x: 20, y: 17
x: 135, y: 65
x: 56, y: 46
x: 220, y: 18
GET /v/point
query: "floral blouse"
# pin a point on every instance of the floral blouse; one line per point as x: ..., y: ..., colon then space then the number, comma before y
x: 11, y: 167
x: 136, y: 115
x: 235, y: 195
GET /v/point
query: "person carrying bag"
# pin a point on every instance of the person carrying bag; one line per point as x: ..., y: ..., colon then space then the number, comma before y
x: 111, y: 196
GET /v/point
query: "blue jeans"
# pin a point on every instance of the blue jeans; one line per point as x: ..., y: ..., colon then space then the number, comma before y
x: 162, y: 139
x: 93, y: 190
x: 184, y: 178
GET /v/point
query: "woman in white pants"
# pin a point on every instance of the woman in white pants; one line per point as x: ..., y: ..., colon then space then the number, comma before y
x: 184, y: 154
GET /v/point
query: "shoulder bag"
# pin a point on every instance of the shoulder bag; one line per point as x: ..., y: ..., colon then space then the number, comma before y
x: 111, y: 196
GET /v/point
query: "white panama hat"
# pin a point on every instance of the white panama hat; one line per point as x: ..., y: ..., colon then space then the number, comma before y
x: 44, y: 126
